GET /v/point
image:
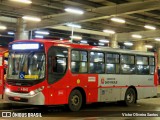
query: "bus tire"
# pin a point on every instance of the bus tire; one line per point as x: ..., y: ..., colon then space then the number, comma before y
x: 75, y: 100
x: 130, y: 97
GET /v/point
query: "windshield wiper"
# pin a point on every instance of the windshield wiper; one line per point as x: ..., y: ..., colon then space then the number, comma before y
x: 24, y: 58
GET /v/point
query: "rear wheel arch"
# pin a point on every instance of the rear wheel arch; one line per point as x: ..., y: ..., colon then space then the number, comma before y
x: 77, y: 93
x: 133, y: 87
x: 130, y: 97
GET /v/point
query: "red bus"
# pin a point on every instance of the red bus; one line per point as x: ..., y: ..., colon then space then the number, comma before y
x: 3, y: 67
x: 47, y: 72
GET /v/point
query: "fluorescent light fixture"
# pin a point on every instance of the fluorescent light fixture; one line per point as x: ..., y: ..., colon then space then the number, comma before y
x: 104, y: 41
x: 25, y: 46
x: 84, y: 41
x: 136, y: 36
x: 10, y: 33
x: 148, y: 46
x: 31, y: 18
x: 109, y: 31
x: 100, y: 43
x: 39, y: 36
x: 128, y: 43
x: 3, y: 27
x: 150, y: 27
x: 119, y: 20
x: 76, y: 37
x: 75, y: 11
x: 157, y: 39
x: 73, y: 25
x: 42, y: 32
x: 23, y: 1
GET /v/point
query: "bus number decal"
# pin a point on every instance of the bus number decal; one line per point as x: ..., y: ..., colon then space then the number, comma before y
x: 91, y: 79
x: 22, y: 89
x: 60, y: 92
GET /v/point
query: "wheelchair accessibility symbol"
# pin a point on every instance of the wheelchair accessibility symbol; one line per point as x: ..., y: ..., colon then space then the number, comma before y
x: 22, y: 75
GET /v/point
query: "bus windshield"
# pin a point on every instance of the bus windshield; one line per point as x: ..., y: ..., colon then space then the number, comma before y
x: 26, y: 66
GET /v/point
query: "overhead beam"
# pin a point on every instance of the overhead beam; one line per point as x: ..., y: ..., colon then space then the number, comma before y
x: 98, y: 26
x: 139, y: 21
x: 104, y: 12
x: 8, y: 19
x: 20, y: 11
x: 123, y: 9
x: 50, y: 4
x: 9, y: 14
x: 146, y: 35
x: 33, y: 7
x: 88, y: 3
x: 118, y: 1
x: 80, y: 30
x: 128, y: 25
x: 146, y: 18
x: 156, y: 12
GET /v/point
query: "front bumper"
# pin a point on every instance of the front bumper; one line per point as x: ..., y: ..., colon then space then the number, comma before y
x: 25, y: 98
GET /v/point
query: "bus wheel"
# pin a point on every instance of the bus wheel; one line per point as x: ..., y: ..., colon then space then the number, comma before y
x: 75, y: 100
x: 130, y: 97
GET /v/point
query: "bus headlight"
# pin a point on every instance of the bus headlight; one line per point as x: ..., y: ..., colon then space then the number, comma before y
x: 31, y: 92
x: 36, y: 90
x: 7, y: 90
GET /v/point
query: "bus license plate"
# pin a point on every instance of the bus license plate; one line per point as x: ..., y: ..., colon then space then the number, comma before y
x: 17, y: 98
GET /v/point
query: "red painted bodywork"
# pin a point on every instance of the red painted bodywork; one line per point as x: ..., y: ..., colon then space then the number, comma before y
x: 59, y: 92
x: 3, y: 50
x: 156, y: 82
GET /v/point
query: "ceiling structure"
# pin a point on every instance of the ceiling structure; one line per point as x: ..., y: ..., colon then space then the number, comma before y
x: 96, y: 17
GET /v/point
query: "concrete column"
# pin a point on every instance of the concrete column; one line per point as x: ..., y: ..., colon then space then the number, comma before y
x: 114, y: 43
x: 157, y: 46
x: 158, y: 59
x: 21, y: 34
x: 139, y: 45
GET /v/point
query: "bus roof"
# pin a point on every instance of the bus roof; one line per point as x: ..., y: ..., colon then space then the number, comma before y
x: 86, y: 46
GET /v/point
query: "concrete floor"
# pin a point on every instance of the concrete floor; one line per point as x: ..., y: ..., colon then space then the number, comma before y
x: 105, y: 111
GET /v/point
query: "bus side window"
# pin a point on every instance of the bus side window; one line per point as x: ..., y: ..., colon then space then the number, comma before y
x: 151, y: 65
x: 142, y: 65
x: 79, y: 61
x: 60, y: 64
x: 96, y: 62
x: 127, y: 64
x: 112, y: 63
